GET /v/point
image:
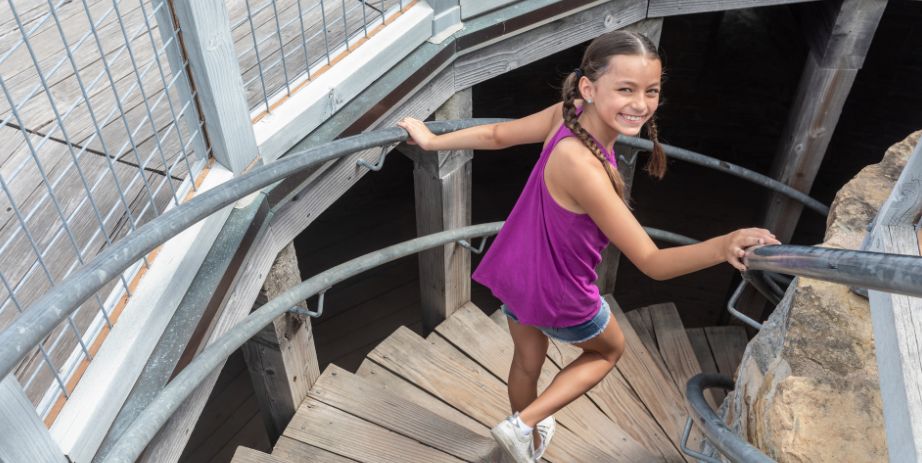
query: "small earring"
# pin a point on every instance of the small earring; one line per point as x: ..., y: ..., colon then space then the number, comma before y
x: 589, y: 100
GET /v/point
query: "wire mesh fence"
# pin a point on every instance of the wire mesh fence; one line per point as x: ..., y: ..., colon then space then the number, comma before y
x: 101, y: 134
x: 281, y: 44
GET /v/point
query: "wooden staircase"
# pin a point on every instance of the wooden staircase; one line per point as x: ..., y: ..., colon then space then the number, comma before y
x: 434, y: 399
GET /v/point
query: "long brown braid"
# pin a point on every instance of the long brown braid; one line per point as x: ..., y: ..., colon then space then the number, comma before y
x: 594, y: 64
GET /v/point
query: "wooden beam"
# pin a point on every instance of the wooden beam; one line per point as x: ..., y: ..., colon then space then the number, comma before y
x: 282, y: 358
x: 607, y: 270
x: 898, y: 337
x: 206, y: 34
x: 25, y: 437
x: 836, y: 54
x: 660, y: 8
x: 895, y: 318
x: 442, y: 184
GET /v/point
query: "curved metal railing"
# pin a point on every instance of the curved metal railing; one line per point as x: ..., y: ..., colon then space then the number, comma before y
x: 727, y: 442
x: 65, y: 297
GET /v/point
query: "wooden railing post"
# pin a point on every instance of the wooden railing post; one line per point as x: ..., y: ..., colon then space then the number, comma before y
x: 442, y: 184
x: 282, y: 358
x: 24, y: 436
x: 897, y: 322
x: 217, y: 80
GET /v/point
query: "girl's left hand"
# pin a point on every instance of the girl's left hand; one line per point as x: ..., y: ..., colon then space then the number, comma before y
x: 419, y: 133
x: 736, y: 243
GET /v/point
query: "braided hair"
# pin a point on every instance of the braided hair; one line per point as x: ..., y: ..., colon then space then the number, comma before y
x: 594, y: 64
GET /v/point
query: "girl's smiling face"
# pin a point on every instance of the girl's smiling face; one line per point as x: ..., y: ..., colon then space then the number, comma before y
x: 626, y: 95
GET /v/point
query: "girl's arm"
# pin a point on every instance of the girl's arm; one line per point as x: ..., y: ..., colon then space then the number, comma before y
x: 529, y: 129
x: 583, y: 179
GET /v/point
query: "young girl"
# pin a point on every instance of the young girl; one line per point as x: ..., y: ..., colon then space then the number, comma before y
x: 542, y: 263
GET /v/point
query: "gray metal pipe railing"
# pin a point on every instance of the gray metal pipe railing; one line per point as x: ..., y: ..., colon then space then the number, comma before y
x: 721, y: 437
x: 45, y: 313
x: 732, y: 169
x: 901, y: 274
x: 149, y: 422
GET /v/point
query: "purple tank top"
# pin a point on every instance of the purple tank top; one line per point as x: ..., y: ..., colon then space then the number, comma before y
x: 542, y: 263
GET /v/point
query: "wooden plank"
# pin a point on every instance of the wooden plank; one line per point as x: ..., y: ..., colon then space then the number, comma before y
x: 471, y: 332
x: 282, y: 358
x: 442, y: 187
x: 659, y: 8
x: 702, y: 349
x: 527, y: 45
x: 614, y: 396
x: 326, y: 427
x: 396, y: 385
x: 25, y: 437
x: 675, y: 347
x: 246, y: 455
x: 643, y: 325
x: 654, y: 387
x: 897, y: 328
x: 466, y: 386
x: 727, y: 344
x: 210, y: 48
x: 358, y: 396
x: 294, y: 450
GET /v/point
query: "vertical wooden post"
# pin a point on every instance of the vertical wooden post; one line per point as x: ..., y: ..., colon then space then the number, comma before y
x: 442, y: 182
x: 607, y: 270
x: 895, y: 319
x: 25, y: 437
x: 282, y: 358
x: 841, y: 33
x: 218, y: 82
x: 446, y: 17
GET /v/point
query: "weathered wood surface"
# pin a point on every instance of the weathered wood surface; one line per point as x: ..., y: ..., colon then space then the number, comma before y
x: 399, y: 386
x: 660, y: 8
x: 246, y: 455
x: 326, y: 427
x: 442, y: 187
x: 615, y: 397
x: 282, y: 358
x: 294, y: 450
x: 702, y: 349
x: 653, y: 386
x: 357, y: 396
x: 676, y: 348
x: 468, y: 387
x: 25, y: 437
x: 727, y: 345
x: 471, y: 332
x: 898, y: 336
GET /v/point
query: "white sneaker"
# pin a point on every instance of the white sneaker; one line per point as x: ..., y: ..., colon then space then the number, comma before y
x: 514, y: 440
x: 545, y: 428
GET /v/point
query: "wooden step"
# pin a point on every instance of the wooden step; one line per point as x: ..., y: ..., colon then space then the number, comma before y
x: 472, y: 332
x: 654, y: 387
x: 699, y: 342
x: 466, y: 386
x: 246, y: 455
x: 727, y: 345
x: 326, y: 427
x: 396, y: 385
x: 615, y: 397
x: 357, y: 396
x: 293, y: 450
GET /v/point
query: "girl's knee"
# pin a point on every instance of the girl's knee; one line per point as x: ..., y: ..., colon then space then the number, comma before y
x: 529, y: 365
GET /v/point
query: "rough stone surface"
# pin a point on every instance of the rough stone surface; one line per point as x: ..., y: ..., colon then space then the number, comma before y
x: 808, y: 388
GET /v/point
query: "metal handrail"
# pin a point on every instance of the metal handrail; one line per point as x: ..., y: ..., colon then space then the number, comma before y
x: 130, y: 445
x: 732, y: 169
x: 721, y: 437
x: 45, y: 313
x: 894, y: 273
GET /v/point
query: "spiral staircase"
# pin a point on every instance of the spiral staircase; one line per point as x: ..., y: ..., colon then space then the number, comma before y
x: 434, y: 399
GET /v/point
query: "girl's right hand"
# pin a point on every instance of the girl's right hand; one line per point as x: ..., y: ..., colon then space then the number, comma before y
x: 736, y: 243
x: 419, y: 133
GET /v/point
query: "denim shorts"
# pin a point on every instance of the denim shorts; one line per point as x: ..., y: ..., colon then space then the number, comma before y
x: 574, y: 334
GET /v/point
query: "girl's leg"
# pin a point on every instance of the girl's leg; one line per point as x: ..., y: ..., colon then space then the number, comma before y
x: 598, y: 358
x: 527, y: 360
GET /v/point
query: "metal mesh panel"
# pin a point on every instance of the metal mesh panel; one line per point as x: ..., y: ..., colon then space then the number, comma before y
x: 100, y: 134
x: 280, y: 44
